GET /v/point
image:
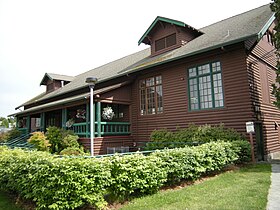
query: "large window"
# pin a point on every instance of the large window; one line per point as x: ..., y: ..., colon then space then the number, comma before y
x: 165, y: 42
x: 151, y: 95
x: 205, y: 86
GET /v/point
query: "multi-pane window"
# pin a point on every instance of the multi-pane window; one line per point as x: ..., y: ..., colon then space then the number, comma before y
x: 165, y: 42
x: 205, y: 86
x: 151, y: 95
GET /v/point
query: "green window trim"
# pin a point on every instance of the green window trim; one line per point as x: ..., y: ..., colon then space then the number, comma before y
x: 205, y: 86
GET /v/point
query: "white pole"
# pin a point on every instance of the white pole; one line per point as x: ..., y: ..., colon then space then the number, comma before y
x: 91, y: 123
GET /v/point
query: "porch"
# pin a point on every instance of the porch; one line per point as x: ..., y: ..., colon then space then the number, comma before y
x: 76, y: 118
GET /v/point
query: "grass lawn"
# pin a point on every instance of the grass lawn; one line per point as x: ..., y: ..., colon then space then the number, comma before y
x: 7, y: 203
x: 246, y: 188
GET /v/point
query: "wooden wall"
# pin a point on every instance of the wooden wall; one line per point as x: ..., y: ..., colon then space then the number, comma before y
x: 261, y: 70
x: 236, y: 112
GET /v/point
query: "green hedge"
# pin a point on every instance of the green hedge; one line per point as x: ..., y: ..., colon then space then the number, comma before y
x: 68, y: 183
x: 192, y: 135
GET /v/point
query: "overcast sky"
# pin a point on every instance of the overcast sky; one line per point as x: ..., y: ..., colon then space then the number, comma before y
x: 73, y: 36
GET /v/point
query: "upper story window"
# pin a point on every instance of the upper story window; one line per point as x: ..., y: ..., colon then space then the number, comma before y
x: 151, y: 95
x: 269, y: 37
x: 165, y: 42
x: 205, y: 86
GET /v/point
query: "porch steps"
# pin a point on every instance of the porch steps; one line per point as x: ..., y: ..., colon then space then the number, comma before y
x: 19, y: 142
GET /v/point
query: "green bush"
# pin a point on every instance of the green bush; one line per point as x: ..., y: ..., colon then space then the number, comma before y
x: 54, y: 135
x: 135, y: 174
x: 55, y: 183
x: 243, y: 150
x: 70, y: 183
x: 61, y: 139
x: 192, y: 135
x: 72, y: 151
x: 39, y: 140
x: 12, y: 134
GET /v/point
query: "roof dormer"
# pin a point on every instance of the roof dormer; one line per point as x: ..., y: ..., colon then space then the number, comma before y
x: 55, y: 81
x: 165, y: 34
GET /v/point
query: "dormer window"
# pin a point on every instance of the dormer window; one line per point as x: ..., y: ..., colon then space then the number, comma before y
x: 165, y: 42
x: 165, y: 34
x: 55, y: 81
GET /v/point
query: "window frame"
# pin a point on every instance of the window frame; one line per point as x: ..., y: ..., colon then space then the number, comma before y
x: 146, y: 96
x: 164, y: 40
x: 197, y: 77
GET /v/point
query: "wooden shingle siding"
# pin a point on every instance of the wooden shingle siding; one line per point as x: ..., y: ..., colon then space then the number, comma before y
x: 236, y: 112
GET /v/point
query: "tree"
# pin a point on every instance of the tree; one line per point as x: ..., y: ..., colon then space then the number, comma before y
x: 275, y: 7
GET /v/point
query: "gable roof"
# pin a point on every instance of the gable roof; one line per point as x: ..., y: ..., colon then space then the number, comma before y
x: 144, y: 38
x: 52, y: 76
x: 248, y: 25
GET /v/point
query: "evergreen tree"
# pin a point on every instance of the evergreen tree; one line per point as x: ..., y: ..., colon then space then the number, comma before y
x: 275, y: 7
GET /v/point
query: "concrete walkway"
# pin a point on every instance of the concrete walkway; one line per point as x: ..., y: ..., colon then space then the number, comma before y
x: 274, y: 191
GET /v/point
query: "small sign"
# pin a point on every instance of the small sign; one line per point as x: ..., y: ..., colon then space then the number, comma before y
x: 250, y: 127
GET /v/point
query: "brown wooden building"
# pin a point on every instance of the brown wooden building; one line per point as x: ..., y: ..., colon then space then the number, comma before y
x: 221, y: 73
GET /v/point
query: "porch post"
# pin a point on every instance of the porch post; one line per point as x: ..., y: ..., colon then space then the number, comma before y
x: 42, y: 124
x: 28, y: 124
x: 87, y: 120
x: 64, y: 118
x: 98, y: 119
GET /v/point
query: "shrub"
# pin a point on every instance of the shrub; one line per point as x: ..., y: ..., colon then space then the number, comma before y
x: 69, y: 183
x: 243, y: 150
x: 12, y: 134
x: 192, y: 135
x: 39, y: 140
x: 135, y: 174
x: 54, y: 135
x: 70, y: 141
x: 61, y: 139
x: 75, y: 151
x: 55, y: 183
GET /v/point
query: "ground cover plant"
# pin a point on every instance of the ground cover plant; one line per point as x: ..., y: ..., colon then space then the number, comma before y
x: 69, y: 183
x: 244, y: 188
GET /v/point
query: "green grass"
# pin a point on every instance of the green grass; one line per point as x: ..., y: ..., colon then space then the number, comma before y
x: 246, y: 188
x: 7, y: 203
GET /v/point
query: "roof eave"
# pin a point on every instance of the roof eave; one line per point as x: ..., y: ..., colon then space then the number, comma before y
x: 193, y: 53
x: 266, y: 26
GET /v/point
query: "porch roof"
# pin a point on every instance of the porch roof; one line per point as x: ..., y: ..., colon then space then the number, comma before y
x: 67, y: 101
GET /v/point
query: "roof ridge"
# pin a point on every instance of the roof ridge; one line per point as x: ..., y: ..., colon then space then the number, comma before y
x: 248, y: 11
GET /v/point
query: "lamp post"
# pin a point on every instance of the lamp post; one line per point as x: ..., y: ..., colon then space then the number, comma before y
x: 91, y: 82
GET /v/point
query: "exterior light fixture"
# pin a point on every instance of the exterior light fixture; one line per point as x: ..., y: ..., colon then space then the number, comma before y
x: 91, y: 82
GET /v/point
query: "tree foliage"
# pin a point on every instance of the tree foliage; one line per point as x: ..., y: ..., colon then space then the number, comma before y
x: 275, y: 7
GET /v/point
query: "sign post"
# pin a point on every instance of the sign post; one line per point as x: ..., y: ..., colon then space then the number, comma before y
x: 251, y: 129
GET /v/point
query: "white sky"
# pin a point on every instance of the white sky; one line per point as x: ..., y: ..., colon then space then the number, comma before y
x: 73, y: 36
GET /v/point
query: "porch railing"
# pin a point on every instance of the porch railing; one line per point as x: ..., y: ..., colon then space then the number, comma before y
x: 102, y: 129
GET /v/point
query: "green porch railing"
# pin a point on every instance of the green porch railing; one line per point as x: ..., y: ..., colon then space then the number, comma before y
x: 24, y: 131
x: 106, y: 128
x: 115, y: 128
x: 80, y: 129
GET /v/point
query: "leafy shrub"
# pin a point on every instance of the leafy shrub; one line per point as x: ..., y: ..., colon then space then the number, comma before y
x: 12, y: 134
x: 135, y: 174
x: 69, y: 183
x: 54, y: 135
x: 39, y: 140
x: 75, y: 151
x: 243, y: 150
x: 70, y: 141
x: 55, y: 183
x: 61, y: 139
x: 192, y: 135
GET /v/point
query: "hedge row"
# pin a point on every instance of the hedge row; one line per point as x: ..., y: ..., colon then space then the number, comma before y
x: 68, y: 183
